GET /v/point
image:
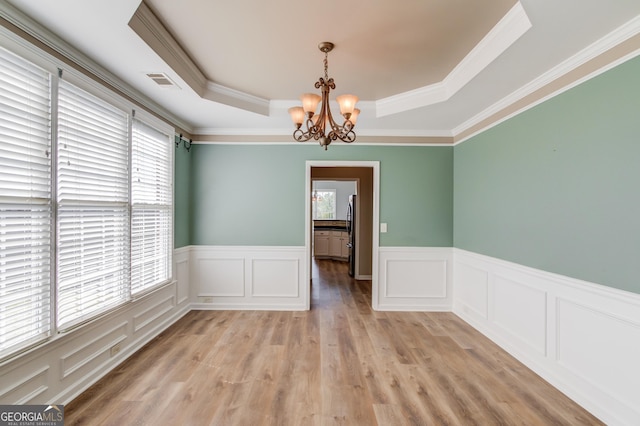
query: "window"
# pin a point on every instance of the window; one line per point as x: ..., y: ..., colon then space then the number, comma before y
x: 151, y: 208
x: 25, y: 203
x: 323, y: 203
x: 93, y: 212
x: 94, y: 199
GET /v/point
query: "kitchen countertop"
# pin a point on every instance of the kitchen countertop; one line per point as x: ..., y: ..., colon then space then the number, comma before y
x: 330, y: 225
x: 329, y: 228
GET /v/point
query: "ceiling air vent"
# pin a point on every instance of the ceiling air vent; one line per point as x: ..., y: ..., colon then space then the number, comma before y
x: 162, y: 80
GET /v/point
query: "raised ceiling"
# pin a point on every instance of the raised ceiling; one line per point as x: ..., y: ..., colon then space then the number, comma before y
x: 429, y: 69
x: 269, y: 48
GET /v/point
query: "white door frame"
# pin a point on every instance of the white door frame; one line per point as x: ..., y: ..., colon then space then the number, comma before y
x: 375, y: 165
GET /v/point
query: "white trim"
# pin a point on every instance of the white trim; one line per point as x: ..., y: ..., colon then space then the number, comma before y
x: 51, y: 40
x: 286, y: 132
x: 581, y: 337
x: 227, y: 278
x: 153, y: 32
x: 235, y: 98
x: 172, y: 52
x: 375, y: 165
x: 573, y: 316
x: 597, y: 48
x: 506, y: 32
x: 415, y: 279
x: 77, y: 359
x: 335, y: 144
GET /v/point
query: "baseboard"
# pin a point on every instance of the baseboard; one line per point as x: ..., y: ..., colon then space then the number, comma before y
x: 363, y: 277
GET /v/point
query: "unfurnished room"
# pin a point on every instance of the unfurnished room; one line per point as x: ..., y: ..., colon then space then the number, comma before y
x: 363, y: 212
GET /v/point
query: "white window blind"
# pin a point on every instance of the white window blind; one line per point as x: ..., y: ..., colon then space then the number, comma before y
x: 93, y: 205
x: 151, y: 207
x: 25, y: 207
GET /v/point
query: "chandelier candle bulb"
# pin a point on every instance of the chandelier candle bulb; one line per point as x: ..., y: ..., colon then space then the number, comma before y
x: 354, y: 116
x: 347, y: 104
x: 297, y: 115
x: 310, y: 103
x: 322, y: 126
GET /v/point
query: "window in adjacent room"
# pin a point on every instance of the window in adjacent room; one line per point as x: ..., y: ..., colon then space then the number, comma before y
x: 323, y: 202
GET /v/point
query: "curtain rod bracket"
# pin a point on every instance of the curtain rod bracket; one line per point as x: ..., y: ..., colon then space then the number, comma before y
x: 186, y: 142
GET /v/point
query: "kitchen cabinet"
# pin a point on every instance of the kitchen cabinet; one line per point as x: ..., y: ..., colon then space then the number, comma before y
x: 331, y: 244
x: 345, y: 247
x: 335, y: 244
x: 321, y: 243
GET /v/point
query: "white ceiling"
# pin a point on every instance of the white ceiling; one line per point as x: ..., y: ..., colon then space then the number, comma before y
x: 420, y: 67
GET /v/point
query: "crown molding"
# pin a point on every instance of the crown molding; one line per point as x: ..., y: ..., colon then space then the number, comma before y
x: 235, y: 98
x: 46, y: 41
x: 249, y: 138
x: 152, y: 31
x: 509, y: 29
x: 368, y: 133
x: 611, y: 50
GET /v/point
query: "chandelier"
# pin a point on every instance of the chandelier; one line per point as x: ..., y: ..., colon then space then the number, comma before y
x: 322, y: 127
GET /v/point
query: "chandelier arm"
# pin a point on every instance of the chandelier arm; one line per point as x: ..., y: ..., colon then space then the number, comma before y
x: 335, y: 127
x: 311, y: 131
x: 301, y: 136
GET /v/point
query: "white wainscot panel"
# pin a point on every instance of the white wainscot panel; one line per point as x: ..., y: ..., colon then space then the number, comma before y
x: 153, y: 310
x: 581, y: 337
x: 243, y: 277
x: 521, y: 311
x: 221, y: 277
x: 25, y: 385
x: 471, y: 289
x: 601, y: 348
x: 182, y: 275
x: 416, y: 278
x: 274, y: 277
x: 92, y: 351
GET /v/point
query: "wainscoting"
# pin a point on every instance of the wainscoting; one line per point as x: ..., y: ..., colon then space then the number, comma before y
x: 59, y: 370
x: 414, y: 279
x: 581, y: 337
x: 265, y: 278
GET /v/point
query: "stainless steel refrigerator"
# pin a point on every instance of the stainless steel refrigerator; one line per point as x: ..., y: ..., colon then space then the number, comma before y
x: 351, y: 229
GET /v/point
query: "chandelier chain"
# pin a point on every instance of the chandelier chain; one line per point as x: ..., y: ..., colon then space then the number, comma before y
x: 326, y: 65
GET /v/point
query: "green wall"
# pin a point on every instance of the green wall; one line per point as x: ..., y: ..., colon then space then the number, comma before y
x: 554, y: 188
x: 558, y: 187
x: 182, y: 198
x: 255, y: 195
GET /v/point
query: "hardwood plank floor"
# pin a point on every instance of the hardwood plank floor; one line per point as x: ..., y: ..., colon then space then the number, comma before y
x: 340, y: 363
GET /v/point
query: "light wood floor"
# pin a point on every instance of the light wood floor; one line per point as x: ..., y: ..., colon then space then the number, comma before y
x: 340, y: 363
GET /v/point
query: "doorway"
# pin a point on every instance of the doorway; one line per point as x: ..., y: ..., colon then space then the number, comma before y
x: 334, y: 223
x: 367, y: 173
